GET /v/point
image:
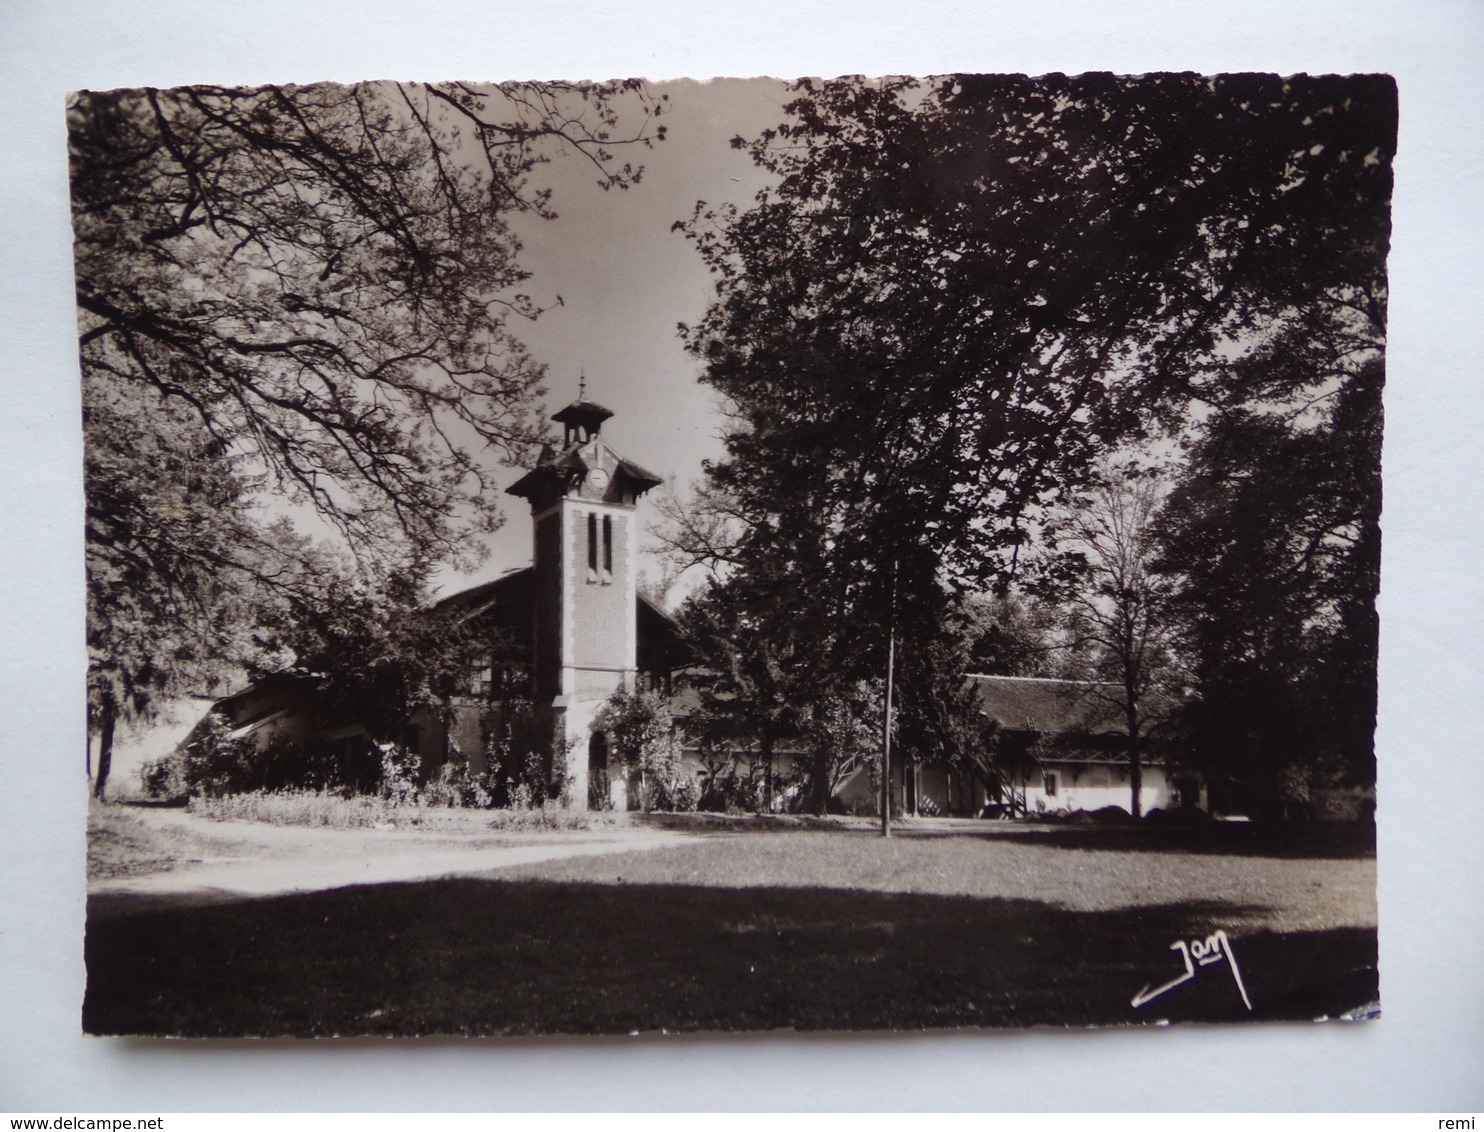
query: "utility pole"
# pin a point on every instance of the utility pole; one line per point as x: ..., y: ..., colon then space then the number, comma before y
x: 891, y: 658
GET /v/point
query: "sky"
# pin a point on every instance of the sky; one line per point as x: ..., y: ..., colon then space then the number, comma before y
x: 626, y: 280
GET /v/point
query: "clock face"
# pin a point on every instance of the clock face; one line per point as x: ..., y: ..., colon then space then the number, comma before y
x: 598, y: 478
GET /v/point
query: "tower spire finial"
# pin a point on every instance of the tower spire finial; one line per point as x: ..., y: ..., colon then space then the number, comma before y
x: 582, y: 384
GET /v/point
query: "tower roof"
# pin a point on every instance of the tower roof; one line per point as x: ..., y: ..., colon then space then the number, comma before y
x: 553, y: 467
x: 581, y: 451
x: 583, y: 412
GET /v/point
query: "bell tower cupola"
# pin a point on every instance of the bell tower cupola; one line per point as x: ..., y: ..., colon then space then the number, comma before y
x: 582, y: 419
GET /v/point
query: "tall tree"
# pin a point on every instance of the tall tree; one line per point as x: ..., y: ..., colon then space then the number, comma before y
x: 957, y: 293
x: 751, y: 691
x: 1274, y: 537
x: 1122, y: 623
x: 161, y: 516
x: 768, y: 624
x: 315, y: 288
x: 1011, y: 633
x: 936, y: 711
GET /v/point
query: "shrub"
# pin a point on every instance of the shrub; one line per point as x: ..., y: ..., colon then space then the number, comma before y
x: 211, y: 761
x: 641, y: 738
x: 322, y: 809
x: 1106, y: 815
x: 522, y: 797
x: 164, y: 779
x: 214, y: 761
x: 521, y: 752
x: 734, y: 789
x: 399, y: 775
x: 456, y: 786
x: 684, y: 796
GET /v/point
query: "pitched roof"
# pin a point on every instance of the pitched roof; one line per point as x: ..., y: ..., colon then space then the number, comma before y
x: 508, y: 594
x: 1034, y: 703
x: 509, y: 600
x: 1016, y: 703
x: 548, y: 465
x: 645, y: 479
x: 554, y: 464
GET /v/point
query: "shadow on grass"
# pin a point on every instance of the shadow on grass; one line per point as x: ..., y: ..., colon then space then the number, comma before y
x: 1293, y: 841
x: 463, y: 956
x: 1299, y: 841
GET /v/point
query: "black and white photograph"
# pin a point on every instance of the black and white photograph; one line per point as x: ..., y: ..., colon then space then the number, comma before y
x: 833, y: 554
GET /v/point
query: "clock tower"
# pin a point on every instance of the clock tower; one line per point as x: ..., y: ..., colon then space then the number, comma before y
x: 583, y: 497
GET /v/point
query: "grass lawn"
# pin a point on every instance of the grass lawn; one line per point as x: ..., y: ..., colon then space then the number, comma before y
x: 808, y: 929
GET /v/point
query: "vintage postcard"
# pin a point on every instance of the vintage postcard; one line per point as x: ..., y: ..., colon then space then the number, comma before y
x: 834, y: 554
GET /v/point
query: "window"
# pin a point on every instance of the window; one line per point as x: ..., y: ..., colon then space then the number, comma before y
x: 483, y: 677
x: 1050, y: 779
x: 607, y: 550
x: 592, y: 546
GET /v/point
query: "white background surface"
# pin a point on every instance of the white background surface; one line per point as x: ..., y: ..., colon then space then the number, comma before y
x: 1428, y: 1051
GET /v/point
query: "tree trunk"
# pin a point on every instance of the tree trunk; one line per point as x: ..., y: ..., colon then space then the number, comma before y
x: 1135, y: 769
x: 823, y: 765
x: 105, y: 750
x: 1135, y: 773
x: 767, y: 745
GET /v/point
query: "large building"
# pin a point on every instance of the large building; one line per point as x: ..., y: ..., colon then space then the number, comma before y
x: 564, y: 634
x: 567, y: 632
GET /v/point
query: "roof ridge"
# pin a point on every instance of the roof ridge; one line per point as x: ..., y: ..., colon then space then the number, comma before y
x: 503, y: 578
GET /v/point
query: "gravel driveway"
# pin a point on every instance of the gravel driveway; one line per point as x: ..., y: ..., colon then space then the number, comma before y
x: 255, y: 859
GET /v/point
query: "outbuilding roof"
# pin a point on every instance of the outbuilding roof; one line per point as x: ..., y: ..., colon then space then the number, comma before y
x: 1047, y: 706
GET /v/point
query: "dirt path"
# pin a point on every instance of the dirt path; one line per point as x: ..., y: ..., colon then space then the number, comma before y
x: 254, y: 859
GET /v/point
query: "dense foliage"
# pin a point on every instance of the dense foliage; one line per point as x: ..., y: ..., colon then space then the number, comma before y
x: 644, y: 751
x: 958, y: 295
x: 1273, y: 534
x: 1122, y: 632
x: 309, y: 291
